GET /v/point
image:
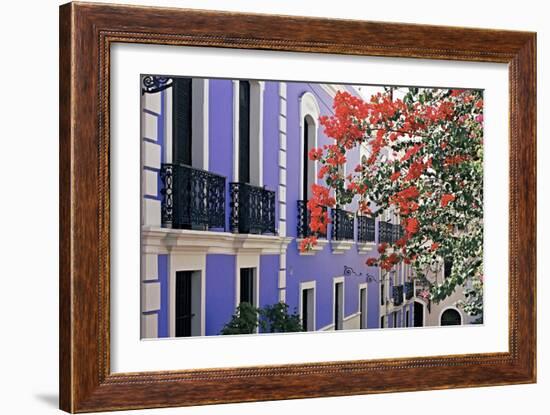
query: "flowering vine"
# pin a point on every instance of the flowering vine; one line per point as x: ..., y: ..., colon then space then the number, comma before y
x: 424, y: 163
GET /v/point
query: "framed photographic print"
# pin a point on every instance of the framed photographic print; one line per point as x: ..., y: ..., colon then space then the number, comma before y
x: 253, y: 208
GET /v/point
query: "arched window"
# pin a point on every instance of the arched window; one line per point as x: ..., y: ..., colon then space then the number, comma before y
x: 451, y: 317
x: 309, y: 117
x: 308, y: 165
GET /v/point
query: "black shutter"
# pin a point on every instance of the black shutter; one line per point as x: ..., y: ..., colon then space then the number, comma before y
x: 181, y: 120
x: 244, y: 131
x: 183, y: 303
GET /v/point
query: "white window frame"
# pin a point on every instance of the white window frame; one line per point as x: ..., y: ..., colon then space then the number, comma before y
x: 451, y: 308
x: 247, y: 261
x: 337, y: 280
x: 363, y: 318
x: 199, y: 124
x: 309, y: 107
x: 309, y: 285
x: 186, y: 262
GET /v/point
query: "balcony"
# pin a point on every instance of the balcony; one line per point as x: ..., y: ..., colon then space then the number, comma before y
x: 409, y: 290
x: 365, y: 234
x: 388, y: 232
x: 252, y: 209
x: 192, y: 198
x: 397, y: 295
x: 303, y: 230
x: 304, y: 218
x: 342, y: 238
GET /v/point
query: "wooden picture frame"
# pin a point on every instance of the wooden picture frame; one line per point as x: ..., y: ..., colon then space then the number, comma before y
x: 86, y: 33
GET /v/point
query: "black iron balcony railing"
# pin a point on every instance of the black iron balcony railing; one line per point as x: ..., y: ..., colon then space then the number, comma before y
x: 342, y: 225
x: 397, y: 294
x: 388, y: 232
x: 192, y: 198
x: 252, y: 209
x: 409, y: 289
x: 365, y: 229
x: 304, y: 218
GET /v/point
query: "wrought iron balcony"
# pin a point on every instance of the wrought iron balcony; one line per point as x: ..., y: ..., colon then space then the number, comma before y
x: 397, y: 294
x: 192, y: 198
x: 304, y: 218
x: 409, y: 289
x: 342, y: 225
x: 388, y: 232
x: 252, y: 209
x: 365, y: 229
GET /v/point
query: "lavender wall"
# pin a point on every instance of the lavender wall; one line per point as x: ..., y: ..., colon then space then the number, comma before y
x: 324, y: 265
x: 220, y: 291
x: 220, y: 126
x: 163, y: 329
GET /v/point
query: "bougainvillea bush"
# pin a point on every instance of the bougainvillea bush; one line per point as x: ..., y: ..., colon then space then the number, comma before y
x: 425, y: 164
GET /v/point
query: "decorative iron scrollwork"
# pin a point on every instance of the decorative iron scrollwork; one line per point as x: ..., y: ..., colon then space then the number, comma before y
x: 252, y: 209
x: 342, y: 225
x: 153, y: 83
x: 350, y: 272
x: 365, y: 229
x: 397, y: 294
x: 409, y: 289
x: 192, y: 198
x: 304, y: 218
x: 389, y: 232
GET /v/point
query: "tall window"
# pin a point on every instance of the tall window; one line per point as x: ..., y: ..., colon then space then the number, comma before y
x: 363, y: 308
x: 182, y: 109
x: 188, y: 308
x: 448, y: 268
x: 382, y: 293
x: 338, y: 306
x: 308, y: 174
x: 247, y: 286
x: 308, y: 309
x: 244, y: 131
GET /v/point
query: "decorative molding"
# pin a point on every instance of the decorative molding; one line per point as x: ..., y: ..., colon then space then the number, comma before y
x: 321, y: 243
x: 165, y: 240
x: 365, y: 247
x: 339, y: 247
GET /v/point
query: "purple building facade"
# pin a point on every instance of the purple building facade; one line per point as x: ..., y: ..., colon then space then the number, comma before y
x: 225, y: 179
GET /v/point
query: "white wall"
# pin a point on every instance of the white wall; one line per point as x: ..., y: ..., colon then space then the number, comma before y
x: 29, y: 320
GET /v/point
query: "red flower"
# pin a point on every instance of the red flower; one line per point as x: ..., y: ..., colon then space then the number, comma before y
x: 446, y: 199
x: 411, y: 225
x: 371, y: 262
x: 382, y: 247
x: 395, y: 176
x: 434, y: 246
x: 315, y: 153
x: 307, y: 243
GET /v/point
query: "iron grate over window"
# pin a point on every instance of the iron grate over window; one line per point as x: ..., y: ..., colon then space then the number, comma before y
x: 365, y: 229
x: 304, y: 217
x: 252, y: 209
x: 397, y: 294
x: 192, y: 198
x: 342, y: 225
x: 409, y: 289
x: 389, y: 232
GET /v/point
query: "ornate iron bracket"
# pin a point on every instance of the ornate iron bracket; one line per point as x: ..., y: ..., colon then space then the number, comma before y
x: 153, y: 83
x: 349, y: 271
